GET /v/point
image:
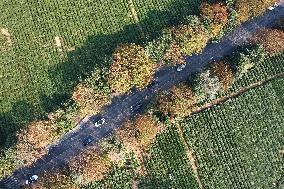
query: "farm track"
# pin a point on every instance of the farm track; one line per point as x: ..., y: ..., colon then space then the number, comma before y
x: 119, y: 111
x: 190, y: 156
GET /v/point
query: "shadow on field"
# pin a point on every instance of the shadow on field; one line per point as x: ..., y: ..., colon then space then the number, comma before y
x: 10, y: 122
x: 83, y: 60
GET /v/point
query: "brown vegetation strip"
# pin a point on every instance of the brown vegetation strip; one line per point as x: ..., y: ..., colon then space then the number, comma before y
x: 190, y: 156
x: 238, y: 93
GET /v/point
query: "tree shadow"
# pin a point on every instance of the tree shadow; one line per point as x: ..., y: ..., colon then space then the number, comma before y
x: 82, y: 61
x: 10, y: 122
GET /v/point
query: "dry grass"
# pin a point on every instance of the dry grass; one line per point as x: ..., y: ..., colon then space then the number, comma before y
x: 5, y: 32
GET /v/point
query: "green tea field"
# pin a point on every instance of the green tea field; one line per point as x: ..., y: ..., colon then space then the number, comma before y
x: 238, y: 144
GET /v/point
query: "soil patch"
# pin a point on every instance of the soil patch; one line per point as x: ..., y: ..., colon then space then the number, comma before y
x: 7, y: 36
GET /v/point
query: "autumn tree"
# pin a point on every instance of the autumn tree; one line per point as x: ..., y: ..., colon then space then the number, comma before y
x: 131, y: 67
x: 216, y: 14
x: 247, y: 9
x: 180, y: 101
x: 88, y: 100
x: 32, y: 142
x: 89, y: 166
x: 138, y: 133
x: 224, y: 73
x: 93, y: 93
x: 271, y: 39
x: 187, y: 39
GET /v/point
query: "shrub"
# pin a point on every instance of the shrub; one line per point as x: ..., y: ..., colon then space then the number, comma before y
x: 157, y: 48
x: 65, y: 118
x: 250, y: 8
x: 217, y: 15
x: 33, y: 140
x: 207, y: 85
x: 248, y: 59
x: 8, y: 162
x: 179, y: 102
x: 224, y: 73
x: 192, y: 20
x: 131, y: 67
x: 271, y: 39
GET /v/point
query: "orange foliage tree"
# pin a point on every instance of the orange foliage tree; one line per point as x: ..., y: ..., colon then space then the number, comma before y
x: 216, y: 14
x: 131, y: 67
x: 32, y: 142
x: 136, y: 136
x: 89, y: 166
x: 271, y: 39
x: 224, y: 72
x: 178, y: 102
x: 138, y: 133
x: 250, y: 8
x: 89, y: 101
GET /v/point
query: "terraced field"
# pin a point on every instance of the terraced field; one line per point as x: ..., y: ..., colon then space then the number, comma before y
x: 238, y: 144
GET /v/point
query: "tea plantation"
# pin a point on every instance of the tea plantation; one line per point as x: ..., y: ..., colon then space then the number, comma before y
x: 238, y: 144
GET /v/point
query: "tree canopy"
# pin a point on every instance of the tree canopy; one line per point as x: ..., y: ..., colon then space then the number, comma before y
x: 216, y: 14
x: 131, y: 67
x: 271, y: 39
x: 250, y: 8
